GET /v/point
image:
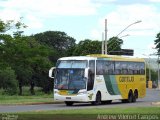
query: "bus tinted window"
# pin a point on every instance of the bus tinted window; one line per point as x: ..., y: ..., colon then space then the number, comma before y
x: 100, y: 67
x: 109, y: 67
x: 91, y: 75
x: 129, y: 68
x: 123, y: 68
x: 118, y: 68
x: 142, y: 68
x: 105, y: 67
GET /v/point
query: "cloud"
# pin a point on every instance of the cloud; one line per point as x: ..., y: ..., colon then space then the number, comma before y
x: 35, y: 12
x: 52, y: 7
x: 8, y: 14
x: 123, y: 16
x: 154, y: 0
x: 95, y: 34
x: 33, y: 22
x: 122, y: 2
x: 103, y: 1
x: 127, y: 2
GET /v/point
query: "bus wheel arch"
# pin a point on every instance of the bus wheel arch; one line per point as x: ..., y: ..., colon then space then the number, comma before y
x: 97, y: 99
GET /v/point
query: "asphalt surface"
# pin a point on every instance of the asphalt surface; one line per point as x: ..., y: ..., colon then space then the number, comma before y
x: 153, y: 95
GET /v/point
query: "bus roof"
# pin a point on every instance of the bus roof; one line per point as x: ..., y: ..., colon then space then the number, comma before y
x: 78, y: 58
x: 116, y: 57
x: 99, y: 56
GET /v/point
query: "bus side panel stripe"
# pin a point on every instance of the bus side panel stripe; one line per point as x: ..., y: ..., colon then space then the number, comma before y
x: 111, y: 85
x: 114, y: 84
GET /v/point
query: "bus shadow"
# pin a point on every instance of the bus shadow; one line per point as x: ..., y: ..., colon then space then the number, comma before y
x: 110, y: 104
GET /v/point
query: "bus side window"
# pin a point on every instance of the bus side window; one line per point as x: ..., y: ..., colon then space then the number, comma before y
x: 118, y: 68
x: 142, y: 68
x: 91, y: 75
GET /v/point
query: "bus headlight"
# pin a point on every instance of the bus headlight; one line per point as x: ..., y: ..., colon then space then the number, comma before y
x: 82, y: 92
x: 56, y: 92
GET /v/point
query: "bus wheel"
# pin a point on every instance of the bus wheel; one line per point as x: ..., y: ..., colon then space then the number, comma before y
x: 68, y: 103
x: 135, y: 96
x: 98, y: 99
x: 130, y: 97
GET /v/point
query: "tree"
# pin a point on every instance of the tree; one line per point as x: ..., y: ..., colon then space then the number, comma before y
x: 32, y: 56
x: 114, y: 45
x: 157, y: 42
x: 7, y: 75
x: 87, y: 46
x: 24, y: 55
x: 2, y: 26
x: 8, y: 81
x: 60, y: 43
x: 154, y: 75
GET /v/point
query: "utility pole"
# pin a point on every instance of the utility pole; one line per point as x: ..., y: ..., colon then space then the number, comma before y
x: 106, y: 36
x: 149, y: 69
x: 103, y: 43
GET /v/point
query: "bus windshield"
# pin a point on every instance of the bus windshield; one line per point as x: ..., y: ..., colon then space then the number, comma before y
x: 72, y: 64
x: 69, y: 79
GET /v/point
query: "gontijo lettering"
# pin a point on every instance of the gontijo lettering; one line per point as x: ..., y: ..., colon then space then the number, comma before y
x: 126, y: 79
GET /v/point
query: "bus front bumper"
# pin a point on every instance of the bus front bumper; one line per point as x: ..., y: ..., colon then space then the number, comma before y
x: 76, y: 98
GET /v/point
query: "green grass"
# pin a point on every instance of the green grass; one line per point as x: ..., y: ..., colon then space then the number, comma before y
x: 89, y: 113
x: 130, y: 110
x: 26, y: 98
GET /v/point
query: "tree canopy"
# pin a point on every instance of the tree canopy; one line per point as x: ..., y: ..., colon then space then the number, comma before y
x: 86, y: 47
x: 58, y: 41
x: 157, y: 43
x: 23, y: 55
x: 114, y: 44
x: 27, y: 59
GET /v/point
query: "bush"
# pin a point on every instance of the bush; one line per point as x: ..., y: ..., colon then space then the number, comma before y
x: 8, y: 81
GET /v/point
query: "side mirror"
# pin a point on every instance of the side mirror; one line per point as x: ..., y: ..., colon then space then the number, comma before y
x: 86, y: 72
x: 51, y: 71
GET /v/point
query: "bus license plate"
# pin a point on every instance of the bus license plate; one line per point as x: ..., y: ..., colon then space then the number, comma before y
x: 68, y: 97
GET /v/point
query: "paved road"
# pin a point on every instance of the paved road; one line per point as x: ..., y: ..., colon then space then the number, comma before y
x: 152, y: 95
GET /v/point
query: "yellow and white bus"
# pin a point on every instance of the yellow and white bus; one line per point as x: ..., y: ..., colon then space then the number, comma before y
x: 98, y: 79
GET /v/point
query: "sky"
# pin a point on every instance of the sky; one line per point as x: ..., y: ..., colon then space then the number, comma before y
x: 85, y: 19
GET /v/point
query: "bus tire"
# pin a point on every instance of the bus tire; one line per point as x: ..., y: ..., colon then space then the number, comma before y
x: 135, y: 96
x: 130, y: 97
x: 68, y: 103
x: 98, y: 99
